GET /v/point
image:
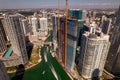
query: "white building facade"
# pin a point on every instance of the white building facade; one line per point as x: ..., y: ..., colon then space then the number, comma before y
x: 34, y: 25
x: 43, y: 31
x: 94, y: 50
x: 14, y: 28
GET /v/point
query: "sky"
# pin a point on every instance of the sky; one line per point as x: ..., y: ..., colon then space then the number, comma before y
x: 18, y: 4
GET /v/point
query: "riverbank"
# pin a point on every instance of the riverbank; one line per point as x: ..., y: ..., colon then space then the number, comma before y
x: 48, y: 69
x: 29, y: 64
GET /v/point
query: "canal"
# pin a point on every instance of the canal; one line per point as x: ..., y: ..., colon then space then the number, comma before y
x: 47, y: 69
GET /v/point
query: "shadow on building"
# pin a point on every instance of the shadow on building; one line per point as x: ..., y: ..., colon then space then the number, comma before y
x: 29, y: 46
x: 116, y: 78
x: 77, y: 59
x: 19, y: 73
x: 95, y: 74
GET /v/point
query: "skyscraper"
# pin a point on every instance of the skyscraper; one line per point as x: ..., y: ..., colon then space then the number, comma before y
x: 26, y: 26
x: 55, y: 25
x: 15, y: 32
x: 62, y: 40
x: 3, y: 46
x: 43, y: 26
x: 71, y: 43
x: 55, y: 30
x: 34, y: 25
x: 44, y: 14
x: 106, y: 23
x: 93, y: 54
x: 80, y: 15
x: 3, y: 72
x: 80, y: 31
x: 113, y: 59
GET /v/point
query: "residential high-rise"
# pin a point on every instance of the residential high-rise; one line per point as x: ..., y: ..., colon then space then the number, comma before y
x: 80, y: 31
x: 93, y: 54
x: 26, y: 26
x: 3, y: 46
x: 113, y: 59
x: 106, y: 23
x: 34, y: 25
x: 103, y: 18
x: 92, y: 14
x: 55, y: 30
x: 43, y: 26
x: 62, y: 40
x: 55, y: 25
x: 44, y: 14
x: 3, y: 72
x: 14, y: 28
x: 29, y: 19
x: 84, y: 15
x: 35, y: 14
x: 3, y: 31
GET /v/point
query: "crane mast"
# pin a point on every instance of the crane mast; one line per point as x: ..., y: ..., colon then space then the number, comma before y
x: 59, y: 48
x: 66, y: 31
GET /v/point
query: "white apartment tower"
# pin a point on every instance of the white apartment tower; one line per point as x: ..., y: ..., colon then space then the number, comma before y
x: 94, y: 50
x: 26, y: 27
x: 43, y: 26
x: 34, y: 25
x: 3, y: 46
x: 14, y: 28
x: 44, y: 14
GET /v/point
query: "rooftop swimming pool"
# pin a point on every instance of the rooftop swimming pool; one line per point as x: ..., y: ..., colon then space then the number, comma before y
x: 8, y: 53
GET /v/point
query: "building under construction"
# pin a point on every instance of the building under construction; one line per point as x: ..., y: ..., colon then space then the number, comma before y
x: 69, y: 57
x: 69, y: 28
x: 71, y: 43
x: 80, y: 15
x: 68, y: 34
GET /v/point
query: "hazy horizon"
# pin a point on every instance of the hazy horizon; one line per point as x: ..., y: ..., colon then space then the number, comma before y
x: 24, y: 4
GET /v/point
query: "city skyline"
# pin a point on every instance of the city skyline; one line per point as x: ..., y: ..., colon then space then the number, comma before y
x: 60, y: 40
x: 15, y: 4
